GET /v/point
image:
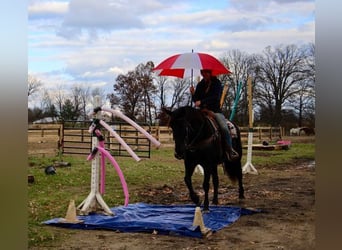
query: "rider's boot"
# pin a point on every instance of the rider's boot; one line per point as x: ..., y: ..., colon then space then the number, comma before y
x: 231, y: 154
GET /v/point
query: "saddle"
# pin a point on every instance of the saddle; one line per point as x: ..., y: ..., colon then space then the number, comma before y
x: 211, y: 116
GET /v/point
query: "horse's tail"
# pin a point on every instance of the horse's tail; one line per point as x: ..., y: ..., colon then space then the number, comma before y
x: 234, y: 169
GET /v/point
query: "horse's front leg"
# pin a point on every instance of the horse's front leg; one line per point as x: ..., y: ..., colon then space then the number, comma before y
x: 206, y: 180
x: 189, y: 170
x: 215, y: 184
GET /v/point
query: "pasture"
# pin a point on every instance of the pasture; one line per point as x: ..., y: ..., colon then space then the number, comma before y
x: 284, y: 190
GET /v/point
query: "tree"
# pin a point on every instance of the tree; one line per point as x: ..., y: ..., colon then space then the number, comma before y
x: 144, y: 74
x: 69, y: 111
x: 304, y: 101
x: 278, y: 72
x: 180, y: 95
x: 34, y: 85
x: 80, y: 97
x: 59, y: 97
x: 239, y: 63
x: 35, y: 114
x: 162, y: 87
x: 127, y: 92
x: 47, y: 106
x: 133, y: 93
x: 97, y: 92
x: 177, y: 91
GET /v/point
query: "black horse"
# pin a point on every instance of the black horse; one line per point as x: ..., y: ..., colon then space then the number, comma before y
x: 198, y: 141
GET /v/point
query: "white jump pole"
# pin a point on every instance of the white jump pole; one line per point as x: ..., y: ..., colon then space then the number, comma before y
x: 248, y: 167
x: 135, y: 125
x: 94, y: 202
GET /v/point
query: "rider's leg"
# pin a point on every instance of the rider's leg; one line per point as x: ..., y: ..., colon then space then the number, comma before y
x: 232, y: 155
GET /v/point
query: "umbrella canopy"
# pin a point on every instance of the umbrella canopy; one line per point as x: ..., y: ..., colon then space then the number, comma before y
x: 189, y: 65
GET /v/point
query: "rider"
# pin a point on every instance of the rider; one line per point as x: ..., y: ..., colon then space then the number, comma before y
x: 207, y: 95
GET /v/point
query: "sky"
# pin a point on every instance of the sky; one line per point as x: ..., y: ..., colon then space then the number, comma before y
x: 91, y: 42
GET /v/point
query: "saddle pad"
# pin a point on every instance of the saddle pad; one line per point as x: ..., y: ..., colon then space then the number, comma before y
x: 232, y: 129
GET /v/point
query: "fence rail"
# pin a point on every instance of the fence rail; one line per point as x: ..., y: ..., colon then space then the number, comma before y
x: 51, y: 139
x: 164, y: 134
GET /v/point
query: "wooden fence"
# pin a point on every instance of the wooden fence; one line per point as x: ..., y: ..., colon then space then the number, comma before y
x: 51, y: 139
x: 77, y: 140
x: 260, y: 134
x: 44, y: 139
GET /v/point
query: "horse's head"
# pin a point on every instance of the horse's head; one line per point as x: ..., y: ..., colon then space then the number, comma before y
x: 184, y: 123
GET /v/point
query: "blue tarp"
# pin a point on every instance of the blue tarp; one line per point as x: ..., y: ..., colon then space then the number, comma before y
x: 164, y: 219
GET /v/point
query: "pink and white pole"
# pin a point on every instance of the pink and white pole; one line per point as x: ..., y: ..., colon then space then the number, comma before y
x: 94, y: 202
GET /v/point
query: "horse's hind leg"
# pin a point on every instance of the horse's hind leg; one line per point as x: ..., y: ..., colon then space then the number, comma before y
x: 241, y: 190
x: 215, y: 184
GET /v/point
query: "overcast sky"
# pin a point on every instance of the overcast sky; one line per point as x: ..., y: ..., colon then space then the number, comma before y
x: 92, y: 41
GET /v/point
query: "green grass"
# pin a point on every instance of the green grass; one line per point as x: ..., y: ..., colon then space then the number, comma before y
x: 274, y: 157
x: 49, y: 195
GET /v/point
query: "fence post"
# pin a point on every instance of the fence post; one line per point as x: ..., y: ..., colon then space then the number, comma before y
x: 158, y: 132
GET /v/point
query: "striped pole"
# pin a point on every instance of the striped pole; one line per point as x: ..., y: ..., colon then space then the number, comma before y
x: 248, y: 167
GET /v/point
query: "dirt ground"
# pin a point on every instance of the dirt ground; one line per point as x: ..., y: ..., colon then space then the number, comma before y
x: 285, y: 194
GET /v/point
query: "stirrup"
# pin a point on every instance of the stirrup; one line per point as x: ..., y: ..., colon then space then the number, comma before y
x: 232, y: 155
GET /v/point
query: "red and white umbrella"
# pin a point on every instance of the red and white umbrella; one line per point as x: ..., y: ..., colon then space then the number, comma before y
x: 189, y: 65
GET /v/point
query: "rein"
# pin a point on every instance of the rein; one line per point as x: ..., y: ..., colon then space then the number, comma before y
x: 193, y: 145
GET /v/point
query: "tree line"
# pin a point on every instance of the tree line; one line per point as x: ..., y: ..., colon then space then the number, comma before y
x: 283, y: 84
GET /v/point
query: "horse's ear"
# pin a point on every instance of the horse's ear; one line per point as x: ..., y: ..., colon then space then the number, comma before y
x: 167, y: 111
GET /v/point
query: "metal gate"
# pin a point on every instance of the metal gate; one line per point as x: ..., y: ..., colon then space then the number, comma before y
x: 76, y: 139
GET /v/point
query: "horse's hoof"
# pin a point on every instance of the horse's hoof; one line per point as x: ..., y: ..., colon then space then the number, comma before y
x: 196, y: 200
x: 205, y: 210
x: 199, y: 203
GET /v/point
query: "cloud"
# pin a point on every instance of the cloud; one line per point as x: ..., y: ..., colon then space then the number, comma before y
x: 91, y: 16
x: 93, y: 41
x: 46, y: 10
x: 260, y: 5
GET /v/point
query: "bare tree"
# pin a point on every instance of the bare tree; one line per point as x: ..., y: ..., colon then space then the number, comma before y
x: 81, y: 97
x: 97, y: 92
x: 173, y: 92
x: 45, y: 101
x: 279, y: 71
x: 239, y: 63
x: 59, y: 97
x: 47, y: 105
x: 303, y: 102
x: 34, y: 85
x: 180, y: 95
x: 162, y: 87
